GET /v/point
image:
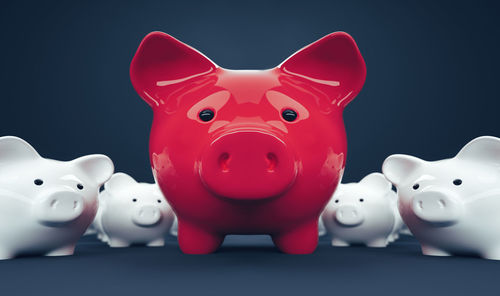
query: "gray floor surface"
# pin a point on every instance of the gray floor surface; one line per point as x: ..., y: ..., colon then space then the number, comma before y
x: 249, y: 265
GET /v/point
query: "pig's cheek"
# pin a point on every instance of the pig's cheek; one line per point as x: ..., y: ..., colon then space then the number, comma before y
x: 332, y: 168
x: 404, y: 203
x: 162, y: 163
x: 479, y: 205
x: 11, y: 199
x: 22, y: 203
x: 91, y: 203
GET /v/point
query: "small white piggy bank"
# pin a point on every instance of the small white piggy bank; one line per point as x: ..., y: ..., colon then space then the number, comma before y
x: 452, y: 206
x: 399, y: 225
x: 45, y: 204
x: 132, y: 213
x: 361, y: 213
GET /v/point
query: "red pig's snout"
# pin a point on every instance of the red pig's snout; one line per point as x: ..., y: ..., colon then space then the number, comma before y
x: 248, y: 164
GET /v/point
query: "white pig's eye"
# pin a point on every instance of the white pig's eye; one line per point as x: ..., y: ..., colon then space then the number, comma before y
x: 159, y: 201
x: 38, y: 182
x: 415, y: 187
x: 457, y: 182
x: 361, y: 200
x: 79, y: 186
x: 336, y: 201
x: 134, y: 199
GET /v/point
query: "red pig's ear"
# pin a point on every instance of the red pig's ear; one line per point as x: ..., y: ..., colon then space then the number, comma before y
x: 163, y: 62
x: 334, y: 63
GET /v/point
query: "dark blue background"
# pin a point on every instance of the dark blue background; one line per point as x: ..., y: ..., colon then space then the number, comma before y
x: 432, y: 85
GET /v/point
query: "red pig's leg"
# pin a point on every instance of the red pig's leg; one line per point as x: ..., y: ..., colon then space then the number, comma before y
x: 196, y: 240
x: 300, y: 240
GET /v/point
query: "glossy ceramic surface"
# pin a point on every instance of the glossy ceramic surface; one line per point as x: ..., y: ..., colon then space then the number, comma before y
x: 451, y: 206
x: 132, y: 213
x: 399, y: 225
x: 45, y: 204
x: 362, y: 213
x: 248, y: 151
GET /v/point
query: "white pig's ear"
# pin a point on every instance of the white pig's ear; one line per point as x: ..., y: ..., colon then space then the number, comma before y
x: 376, y: 181
x: 398, y: 166
x: 333, y: 63
x: 13, y: 149
x: 162, y: 63
x: 97, y: 166
x: 484, y: 149
x: 119, y: 181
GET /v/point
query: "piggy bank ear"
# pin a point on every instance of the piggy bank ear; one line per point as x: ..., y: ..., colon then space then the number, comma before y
x: 398, y: 166
x: 483, y: 149
x: 119, y: 181
x: 13, y: 149
x: 97, y: 166
x: 333, y: 62
x: 376, y: 181
x: 162, y: 63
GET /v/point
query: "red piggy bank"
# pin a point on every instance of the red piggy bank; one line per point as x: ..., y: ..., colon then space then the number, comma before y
x: 248, y: 151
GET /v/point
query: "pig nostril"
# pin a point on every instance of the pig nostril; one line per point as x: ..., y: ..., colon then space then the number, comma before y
x: 441, y: 203
x: 224, y: 161
x: 272, y: 161
x: 53, y: 203
x: 421, y: 204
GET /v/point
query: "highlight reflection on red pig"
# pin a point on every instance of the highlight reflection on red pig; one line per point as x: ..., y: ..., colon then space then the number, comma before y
x: 248, y: 151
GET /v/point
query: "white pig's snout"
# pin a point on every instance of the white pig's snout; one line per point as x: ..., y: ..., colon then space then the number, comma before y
x: 146, y: 215
x: 437, y: 206
x: 349, y: 215
x: 58, y: 206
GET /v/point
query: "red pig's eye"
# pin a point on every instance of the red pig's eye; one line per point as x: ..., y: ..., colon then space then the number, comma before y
x: 289, y: 115
x: 206, y: 115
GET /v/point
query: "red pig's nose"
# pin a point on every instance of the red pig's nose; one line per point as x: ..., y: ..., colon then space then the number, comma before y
x: 248, y: 165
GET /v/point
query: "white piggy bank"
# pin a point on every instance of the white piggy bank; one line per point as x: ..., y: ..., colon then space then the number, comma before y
x: 175, y: 228
x: 321, y: 228
x: 452, y: 206
x: 132, y: 213
x: 361, y: 213
x: 45, y: 204
x: 399, y: 225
